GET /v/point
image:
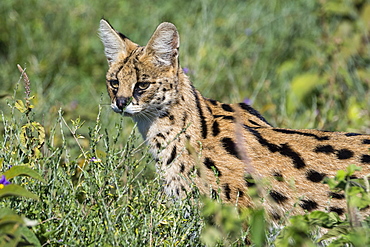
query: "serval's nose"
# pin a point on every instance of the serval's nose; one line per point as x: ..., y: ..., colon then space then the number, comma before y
x: 122, y: 102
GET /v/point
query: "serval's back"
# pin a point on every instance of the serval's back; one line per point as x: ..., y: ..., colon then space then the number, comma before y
x: 222, y: 147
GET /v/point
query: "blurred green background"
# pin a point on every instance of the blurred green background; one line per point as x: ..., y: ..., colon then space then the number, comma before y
x: 303, y: 64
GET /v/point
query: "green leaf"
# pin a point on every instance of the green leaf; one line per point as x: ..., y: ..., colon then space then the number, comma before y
x: 16, y: 190
x: 20, y: 235
x: 7, y: 216
x: 32, y: 133
x: 341, y: 175
x: 323, y: 219
x: 29, y: 236
x: 23, y: 171
x: 258, y: 227
x: 335, y: 232
x: 5, y: 211
x: 10, y: 219
x: 41, y: 131
x: 352, y: 168
x: 20, y: 106
x: 355, y: 190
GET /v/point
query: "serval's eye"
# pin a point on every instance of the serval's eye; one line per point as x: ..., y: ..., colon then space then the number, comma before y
x: 143, y: 85
x: 114, y: 84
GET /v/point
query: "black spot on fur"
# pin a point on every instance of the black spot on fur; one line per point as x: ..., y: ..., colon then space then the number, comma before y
x: 227, y: 107
x: 315, y: 176
x: 365, y: 158
x: 172, y: 119
x: 240, y: 193
x: 144, y: 77
x: 187, y: 137
x: 337, y: 210
x: 215, y: 128
x: 158, y: 145
x: 253, y: 122
x: 366, y: 141
x: 352, y: 134
x: 283, y: 149
x: 249, y: 181
x: 184, y: 118
x: 168, y: 183
x: 121, y: 67
x: 286, y: 131
x: 203, y: 122
x: 173, y: 155
x: 229, y: 118
x: 213, y: 102
x: 275, y: 216
x: 224, y: 117
x: 164, y: 114
x: 211, y: 165
x: 326, y: 149
x: 182, y: 167
x: 336, y: 195
x: 252, y: 111
x: 227, y: 191
x: 277, y: 196
x: 308, y: 205
x: 343, y: 154
x: 278, y: 176
x: 229, y: 145
x: 209, y: 110
x: 296, y: 158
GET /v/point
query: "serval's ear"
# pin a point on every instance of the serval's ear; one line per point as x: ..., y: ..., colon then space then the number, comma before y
x: 164, y: 44
x: 116, y: 45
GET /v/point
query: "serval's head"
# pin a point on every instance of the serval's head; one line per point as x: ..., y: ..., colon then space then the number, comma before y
x: 141, y: 80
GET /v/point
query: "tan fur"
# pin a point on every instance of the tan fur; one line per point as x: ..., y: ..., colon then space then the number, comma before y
x: 221, y: 147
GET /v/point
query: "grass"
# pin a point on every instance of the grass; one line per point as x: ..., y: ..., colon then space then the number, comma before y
x: 303, y: 64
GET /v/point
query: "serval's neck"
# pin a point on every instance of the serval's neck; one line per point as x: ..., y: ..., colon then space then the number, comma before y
x: 177, y: 123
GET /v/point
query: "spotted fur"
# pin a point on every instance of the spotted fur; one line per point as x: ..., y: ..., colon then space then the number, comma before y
x: 222, y: 147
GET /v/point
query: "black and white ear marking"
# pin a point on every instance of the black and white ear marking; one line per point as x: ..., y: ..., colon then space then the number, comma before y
x: 115, y: 44
x: 164, y: 44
